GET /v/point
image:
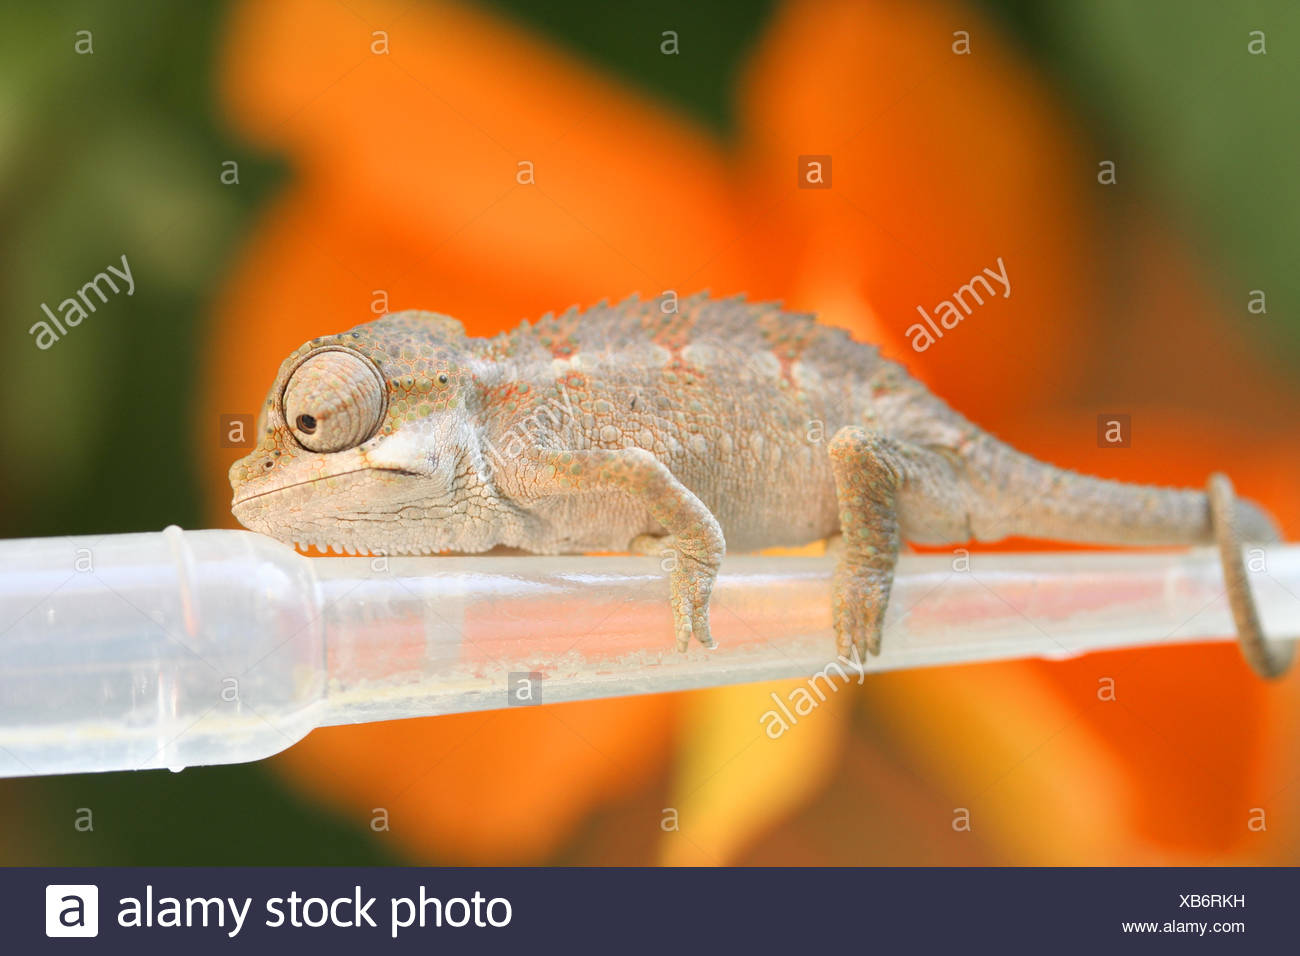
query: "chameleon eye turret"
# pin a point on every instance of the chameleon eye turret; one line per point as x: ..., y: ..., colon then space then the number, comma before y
x: 334, y: 401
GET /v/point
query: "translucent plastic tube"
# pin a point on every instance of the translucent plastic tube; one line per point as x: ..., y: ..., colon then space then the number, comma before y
x: 179, y: 648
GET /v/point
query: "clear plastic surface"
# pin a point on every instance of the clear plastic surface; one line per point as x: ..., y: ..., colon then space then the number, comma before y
x: 177, y: 648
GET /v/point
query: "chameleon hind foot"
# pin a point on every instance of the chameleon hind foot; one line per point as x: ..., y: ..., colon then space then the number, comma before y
x: 1265, y: 659
x: 868, y: 471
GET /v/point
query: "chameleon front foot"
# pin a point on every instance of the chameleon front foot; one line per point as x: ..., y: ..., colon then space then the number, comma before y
x: 690, y: 617
x: 690, y: 582
x: 693, y: 538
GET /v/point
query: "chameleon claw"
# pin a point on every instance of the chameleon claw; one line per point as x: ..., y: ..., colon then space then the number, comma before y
x: 694, y: 624
x: 1265, y: 659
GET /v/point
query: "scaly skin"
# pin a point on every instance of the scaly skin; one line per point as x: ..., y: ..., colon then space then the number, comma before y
x: 643, y: 427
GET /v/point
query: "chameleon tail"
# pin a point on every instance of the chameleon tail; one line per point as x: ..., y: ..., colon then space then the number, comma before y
x: 1042, y: 501
x: 1049, y: 502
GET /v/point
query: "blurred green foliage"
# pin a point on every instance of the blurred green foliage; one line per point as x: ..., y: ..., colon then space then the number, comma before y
x: 625, y: 38
x: 120, y: 151
x: 1212, y: 128
x: 1195, y: 121
x: 103, y: 154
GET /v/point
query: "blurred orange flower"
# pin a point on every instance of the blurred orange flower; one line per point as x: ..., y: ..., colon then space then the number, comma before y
x: 465, y: 165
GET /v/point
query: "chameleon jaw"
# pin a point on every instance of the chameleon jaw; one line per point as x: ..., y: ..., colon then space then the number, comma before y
x: 377, y: 510
x: 290, y: 486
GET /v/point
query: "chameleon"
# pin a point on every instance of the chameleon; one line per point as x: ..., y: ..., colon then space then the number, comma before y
x: 686, y: 426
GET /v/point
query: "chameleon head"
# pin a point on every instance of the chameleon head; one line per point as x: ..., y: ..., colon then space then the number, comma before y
x: 366, y: 443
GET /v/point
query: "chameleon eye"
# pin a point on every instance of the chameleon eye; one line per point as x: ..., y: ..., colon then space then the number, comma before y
x: 442, y: 378
x: 333, y: 401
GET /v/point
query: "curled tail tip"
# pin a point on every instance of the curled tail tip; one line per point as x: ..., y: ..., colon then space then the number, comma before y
x: 1229, y: 518
x: 1253, y: 521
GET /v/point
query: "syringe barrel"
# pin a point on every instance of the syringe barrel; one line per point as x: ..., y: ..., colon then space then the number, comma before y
x: 180, y: 648
x: 134, y: 651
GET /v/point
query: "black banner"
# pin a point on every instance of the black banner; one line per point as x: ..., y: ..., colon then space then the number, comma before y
x: 328, y: 910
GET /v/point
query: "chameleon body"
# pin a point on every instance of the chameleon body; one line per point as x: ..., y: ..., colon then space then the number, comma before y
x: 692, y: 425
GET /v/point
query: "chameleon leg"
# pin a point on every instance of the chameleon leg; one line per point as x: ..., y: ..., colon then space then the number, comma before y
x: 693, y: 533
x: 868, y: 471
x: 1265, y: 660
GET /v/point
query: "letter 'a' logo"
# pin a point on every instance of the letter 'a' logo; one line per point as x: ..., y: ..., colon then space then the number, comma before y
x: 72, y: 909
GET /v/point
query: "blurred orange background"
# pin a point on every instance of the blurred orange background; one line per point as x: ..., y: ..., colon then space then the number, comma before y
x: 957, y: 134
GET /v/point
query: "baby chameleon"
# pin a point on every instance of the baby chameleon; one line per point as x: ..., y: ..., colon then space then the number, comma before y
x: 692, y: 425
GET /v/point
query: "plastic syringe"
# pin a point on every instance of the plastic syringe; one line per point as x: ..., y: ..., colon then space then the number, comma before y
x: 179, y: 648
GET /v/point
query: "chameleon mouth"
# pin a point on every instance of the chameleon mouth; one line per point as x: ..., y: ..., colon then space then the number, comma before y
x: 309, y: 521
x: 368, y: 469
x: 242, y: 499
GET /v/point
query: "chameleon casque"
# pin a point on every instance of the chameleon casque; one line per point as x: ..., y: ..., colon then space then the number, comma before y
x: 695, y: 425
